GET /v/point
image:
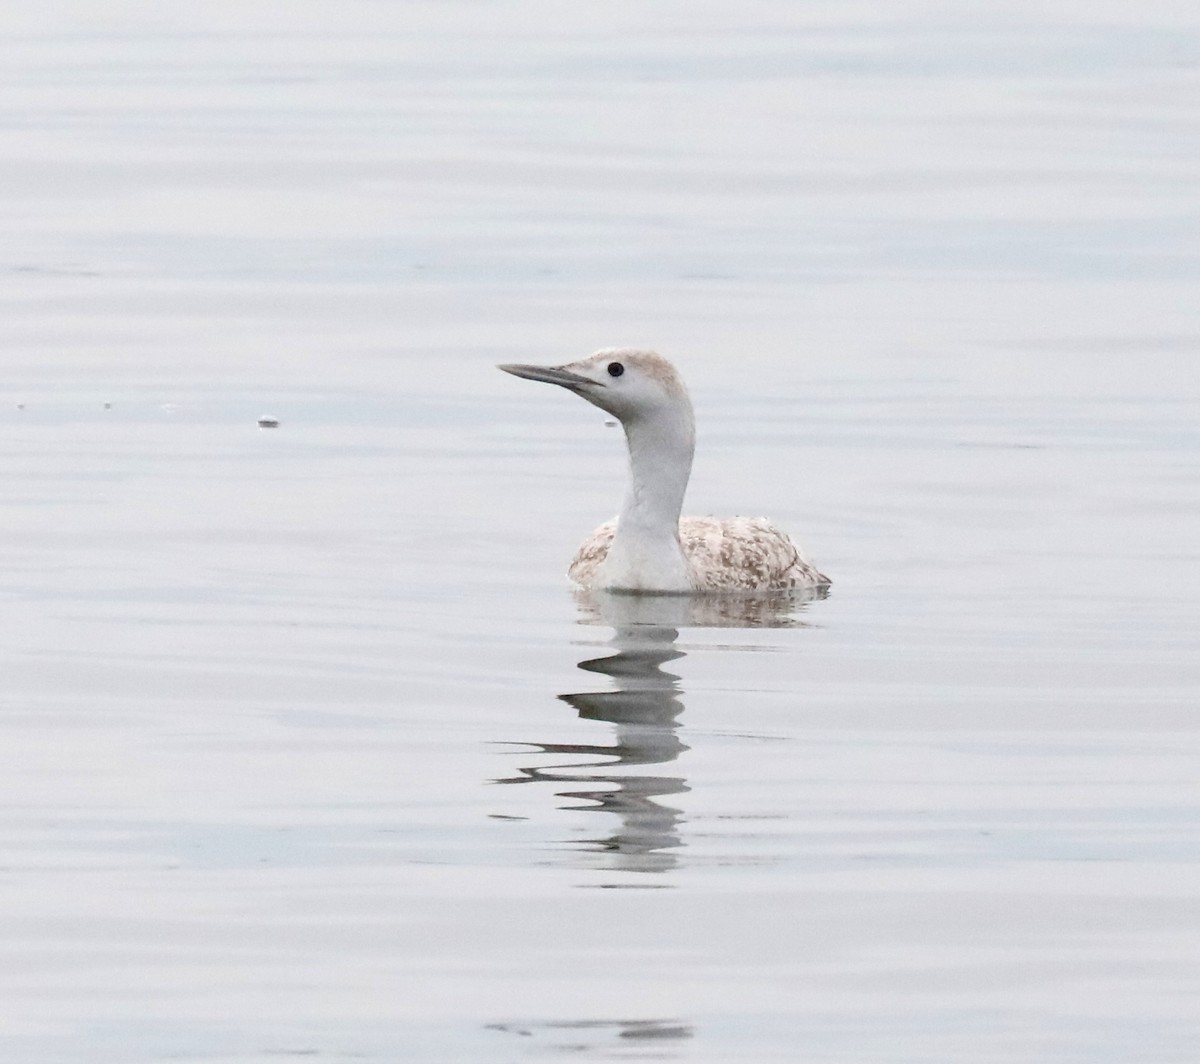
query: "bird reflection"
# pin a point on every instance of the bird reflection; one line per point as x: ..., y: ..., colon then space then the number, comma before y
x: 645, y: 707
x: 644, y: 704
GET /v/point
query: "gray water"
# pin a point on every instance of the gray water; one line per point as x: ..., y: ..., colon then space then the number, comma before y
x: 307, y: 749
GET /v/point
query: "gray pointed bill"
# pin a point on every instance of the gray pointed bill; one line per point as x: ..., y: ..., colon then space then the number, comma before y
x: 548, y: 375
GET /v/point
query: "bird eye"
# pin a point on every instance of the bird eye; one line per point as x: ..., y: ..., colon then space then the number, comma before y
x: 615, y: 369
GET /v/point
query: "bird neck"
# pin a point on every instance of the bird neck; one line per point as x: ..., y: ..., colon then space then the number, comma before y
x: 660, y: 463
x: 645, y: 553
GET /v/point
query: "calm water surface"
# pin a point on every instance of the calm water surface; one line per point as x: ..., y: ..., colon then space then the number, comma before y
x: 307, y: 749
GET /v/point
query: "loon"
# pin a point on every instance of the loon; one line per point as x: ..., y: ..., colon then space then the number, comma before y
x: 649, y: 547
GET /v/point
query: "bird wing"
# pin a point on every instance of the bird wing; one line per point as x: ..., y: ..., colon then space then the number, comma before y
x: 744, y: 554
x: 592, y: 551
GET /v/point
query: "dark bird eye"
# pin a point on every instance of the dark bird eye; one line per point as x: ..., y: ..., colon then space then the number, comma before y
x: 615, y: 369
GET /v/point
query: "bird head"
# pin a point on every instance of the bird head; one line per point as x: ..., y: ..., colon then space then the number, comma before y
x: 631, y: 385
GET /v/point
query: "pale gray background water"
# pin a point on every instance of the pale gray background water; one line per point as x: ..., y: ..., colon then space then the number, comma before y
x: 286, y: 766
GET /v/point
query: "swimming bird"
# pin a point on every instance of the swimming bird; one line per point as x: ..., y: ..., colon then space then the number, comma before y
x: 649, y: 547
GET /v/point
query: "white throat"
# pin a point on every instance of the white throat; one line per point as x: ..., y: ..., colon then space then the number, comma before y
x: 645, y: 554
